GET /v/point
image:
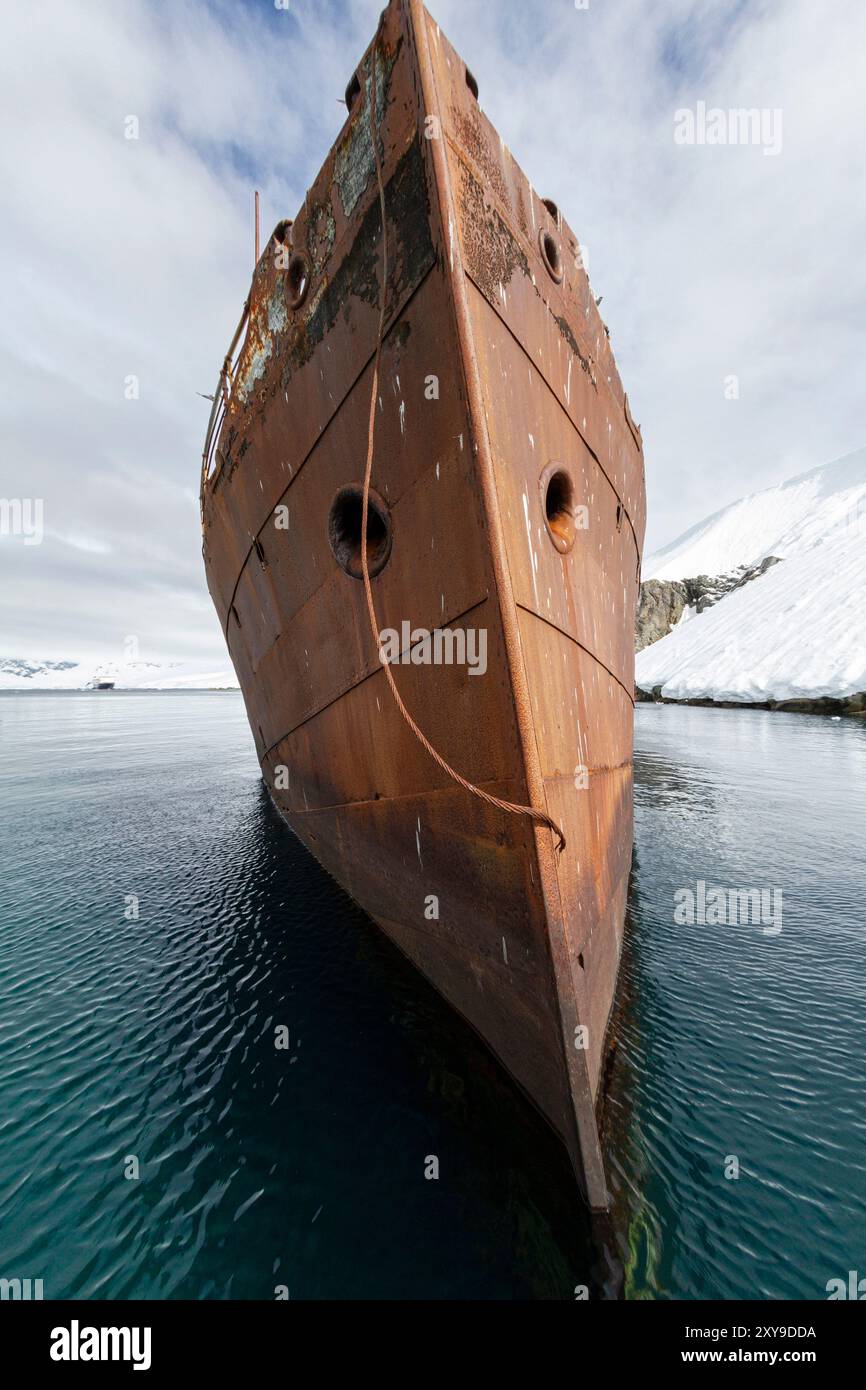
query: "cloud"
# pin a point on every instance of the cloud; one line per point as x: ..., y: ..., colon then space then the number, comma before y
x: 713, y: 261
x: 131, y: 258
x: 89, y: 547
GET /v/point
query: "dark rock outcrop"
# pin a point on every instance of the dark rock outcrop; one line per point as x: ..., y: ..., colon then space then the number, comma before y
x: 15, y: 666
x: 703, y: 591
x: 660, y: 607
x: 662, y: 601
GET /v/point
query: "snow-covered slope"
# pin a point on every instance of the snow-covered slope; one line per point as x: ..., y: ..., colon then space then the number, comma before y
x: 21, y: 674
x: 799, y: 630
x: 810, y: 510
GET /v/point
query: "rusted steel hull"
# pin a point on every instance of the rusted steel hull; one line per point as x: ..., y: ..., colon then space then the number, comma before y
x: 496, y: 380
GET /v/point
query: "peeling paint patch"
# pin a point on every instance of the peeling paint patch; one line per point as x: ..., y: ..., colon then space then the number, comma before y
x: 357, y: 275
x: 321, y: 235
x: 254, y: 368
x: 278, y: 317
x: 355, y: 163
x: 470, y: 132
x: 491, y: 252
x: 565, y: 329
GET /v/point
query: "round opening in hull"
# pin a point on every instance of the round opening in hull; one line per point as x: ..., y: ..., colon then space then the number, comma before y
x: 299, y: 281
x: 353, y: 91
x: 557, y: 500
x: 550, y: 254
x: 344, y: 531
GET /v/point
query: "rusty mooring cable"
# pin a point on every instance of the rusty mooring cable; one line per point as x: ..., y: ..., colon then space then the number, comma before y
x: 510, y: 806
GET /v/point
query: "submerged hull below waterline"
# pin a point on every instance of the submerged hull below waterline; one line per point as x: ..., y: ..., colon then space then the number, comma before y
x: 507, y: 511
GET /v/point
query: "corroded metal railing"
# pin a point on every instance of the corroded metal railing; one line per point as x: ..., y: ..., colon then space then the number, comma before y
x: 219, y: 406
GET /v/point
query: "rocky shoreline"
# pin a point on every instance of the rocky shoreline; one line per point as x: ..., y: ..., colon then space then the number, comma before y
x: 853, y: 706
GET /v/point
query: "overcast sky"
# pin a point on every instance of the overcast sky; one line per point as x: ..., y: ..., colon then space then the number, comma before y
x: 132, y: 257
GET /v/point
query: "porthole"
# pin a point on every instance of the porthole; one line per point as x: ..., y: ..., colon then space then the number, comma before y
x: 344, y: 531
x: 353, y: 91
x: 299, y: 281
x: 472, y: 84
x: 552, y: 209
x: 550, y: 254
x: 557, y: 502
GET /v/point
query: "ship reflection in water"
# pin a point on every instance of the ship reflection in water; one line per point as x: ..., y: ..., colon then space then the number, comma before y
x: 304, y: 1168
x: 300, y: 1169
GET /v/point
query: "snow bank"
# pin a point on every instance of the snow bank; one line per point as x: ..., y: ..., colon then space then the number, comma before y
x: 22, y: 674
x: 826, y: 504
x: 796, y: 632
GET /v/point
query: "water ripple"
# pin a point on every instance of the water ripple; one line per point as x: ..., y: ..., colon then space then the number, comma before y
x: 734, y: 1044
x: 152, y: 1039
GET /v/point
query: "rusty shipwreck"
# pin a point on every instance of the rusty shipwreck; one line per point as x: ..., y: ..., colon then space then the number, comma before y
x: 506, y: 497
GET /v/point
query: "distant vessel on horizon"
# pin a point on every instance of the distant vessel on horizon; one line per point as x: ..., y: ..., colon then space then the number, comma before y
x: 507, y: 500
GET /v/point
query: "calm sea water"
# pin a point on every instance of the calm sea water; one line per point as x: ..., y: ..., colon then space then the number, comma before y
x: 152, y: 1038
x: 733, y: 1042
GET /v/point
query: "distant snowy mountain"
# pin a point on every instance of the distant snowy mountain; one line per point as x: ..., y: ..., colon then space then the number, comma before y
x: 19, y: 674
x: 796, y: 631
